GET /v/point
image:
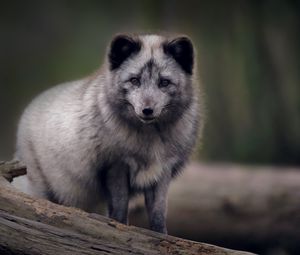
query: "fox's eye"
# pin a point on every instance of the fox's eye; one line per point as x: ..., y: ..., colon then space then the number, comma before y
x: 164, y: 83
x: 135, y: 81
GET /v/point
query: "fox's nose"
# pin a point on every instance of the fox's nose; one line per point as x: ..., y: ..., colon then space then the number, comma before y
x: 147, y: 111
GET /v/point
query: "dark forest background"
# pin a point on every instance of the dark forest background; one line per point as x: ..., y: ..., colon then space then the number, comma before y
x: 248, y: 60
x: 249, y: 69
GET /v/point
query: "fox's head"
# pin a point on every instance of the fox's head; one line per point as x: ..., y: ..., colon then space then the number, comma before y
x: 150, y: 77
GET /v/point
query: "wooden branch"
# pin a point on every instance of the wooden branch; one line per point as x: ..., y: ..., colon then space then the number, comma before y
x: 36, y: 226
x: 12, y: 169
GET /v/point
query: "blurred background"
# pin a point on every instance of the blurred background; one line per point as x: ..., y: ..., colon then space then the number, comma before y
x: 248, y: 61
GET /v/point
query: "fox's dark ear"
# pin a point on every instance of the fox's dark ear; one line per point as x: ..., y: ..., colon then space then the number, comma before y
x: 181, y: 49
x: 121, y: 48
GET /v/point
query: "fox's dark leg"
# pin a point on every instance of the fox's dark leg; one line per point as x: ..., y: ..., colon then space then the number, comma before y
x: 117, y: 187
x: 156, y: 204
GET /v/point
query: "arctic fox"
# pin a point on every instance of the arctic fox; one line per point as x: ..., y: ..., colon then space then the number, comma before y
x: 127, y: 129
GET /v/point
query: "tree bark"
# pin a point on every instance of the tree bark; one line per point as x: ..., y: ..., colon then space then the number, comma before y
x: 36, y: 226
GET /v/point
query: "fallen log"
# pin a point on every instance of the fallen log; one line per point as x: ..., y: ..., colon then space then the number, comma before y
x: 36, y: 226
x: 241, y: 207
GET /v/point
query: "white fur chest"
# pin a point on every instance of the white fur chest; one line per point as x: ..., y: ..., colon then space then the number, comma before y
x: 144, y: 177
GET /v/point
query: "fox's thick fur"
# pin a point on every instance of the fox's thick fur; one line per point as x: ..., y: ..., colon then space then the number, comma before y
x: 127, y: 129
